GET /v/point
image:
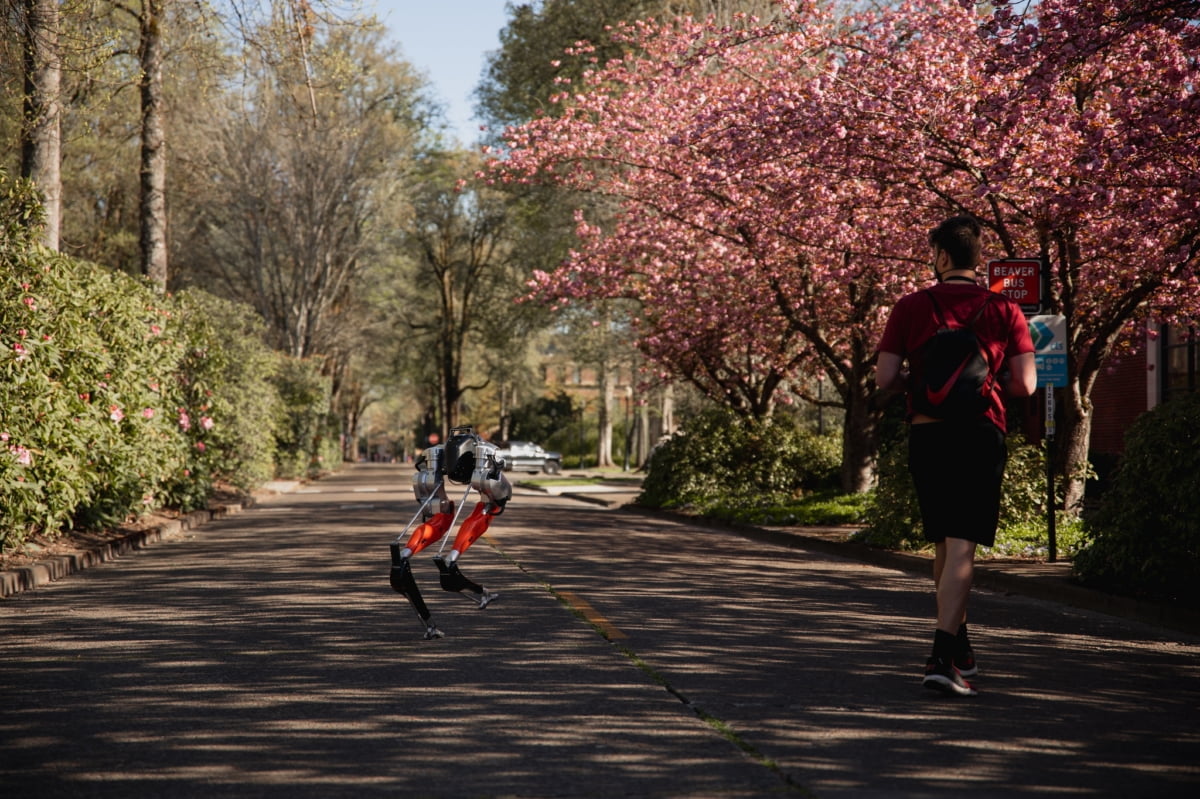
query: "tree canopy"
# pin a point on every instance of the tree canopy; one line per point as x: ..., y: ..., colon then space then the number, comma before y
x: 775, y: 182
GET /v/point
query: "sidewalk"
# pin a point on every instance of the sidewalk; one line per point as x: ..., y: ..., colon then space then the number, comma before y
x: 1035, y: 579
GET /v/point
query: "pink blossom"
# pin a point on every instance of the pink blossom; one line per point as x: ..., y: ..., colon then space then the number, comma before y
x: 24, y: 456
x: 206, y: 423
x: 200, y: 446
x: 115, y: 413
x: 30, y: 302
x: 148, y: 413
x: 184, y: 422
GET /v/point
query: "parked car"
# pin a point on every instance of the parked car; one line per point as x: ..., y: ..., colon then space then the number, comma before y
x: 525, y: 456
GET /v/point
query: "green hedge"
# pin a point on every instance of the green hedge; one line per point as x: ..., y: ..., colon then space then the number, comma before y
x: 894, y: 518
x: 116, y: 399
x: 1145, y: 536
x: 721, y: 461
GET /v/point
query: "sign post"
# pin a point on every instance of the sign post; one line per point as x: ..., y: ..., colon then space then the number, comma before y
x: 1049, y: 334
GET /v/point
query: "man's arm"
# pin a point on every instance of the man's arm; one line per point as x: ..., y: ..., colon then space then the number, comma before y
x: 1022, y: 375
x: 887, y: 372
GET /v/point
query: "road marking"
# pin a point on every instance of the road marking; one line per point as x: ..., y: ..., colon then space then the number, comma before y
x: 365, y: 490
x: 582, y: 607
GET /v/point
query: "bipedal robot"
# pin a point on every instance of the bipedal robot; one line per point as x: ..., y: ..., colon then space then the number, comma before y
x: 465, y: 459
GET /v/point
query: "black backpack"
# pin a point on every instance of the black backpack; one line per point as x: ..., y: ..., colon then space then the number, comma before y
x: 950, y: 374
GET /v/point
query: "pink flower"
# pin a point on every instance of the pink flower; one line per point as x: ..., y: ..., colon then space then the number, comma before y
x: 148, y: 413
x: 184, y: 422
x: 156, y: 330
x: 24, y: 456
x: 31, y: 302
x: 200, y: 446
x: 206, y: 423
x: 116, y: 414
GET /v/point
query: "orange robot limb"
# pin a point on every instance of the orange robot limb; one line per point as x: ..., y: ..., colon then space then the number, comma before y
x: 429, y: 532
x: 451, y: 577
x: 470, y: 531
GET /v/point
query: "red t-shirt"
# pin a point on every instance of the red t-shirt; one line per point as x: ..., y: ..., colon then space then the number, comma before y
x: 1001, y: 329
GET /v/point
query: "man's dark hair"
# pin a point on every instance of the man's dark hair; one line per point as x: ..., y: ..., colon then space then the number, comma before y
x: 958, y: 237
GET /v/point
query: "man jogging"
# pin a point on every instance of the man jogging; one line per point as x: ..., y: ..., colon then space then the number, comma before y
x: 957, y: 421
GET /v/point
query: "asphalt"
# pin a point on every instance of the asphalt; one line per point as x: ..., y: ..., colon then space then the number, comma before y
x: 630, y: 654
x: 1035, y: 579
x: 1018, y: 577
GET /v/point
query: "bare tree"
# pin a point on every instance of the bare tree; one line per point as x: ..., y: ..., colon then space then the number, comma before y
x: 296, y: 196
x: 463, y: 271
x: 41, y: 131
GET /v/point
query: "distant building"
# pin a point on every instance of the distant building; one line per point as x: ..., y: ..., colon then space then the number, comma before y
x: 1132, y: 384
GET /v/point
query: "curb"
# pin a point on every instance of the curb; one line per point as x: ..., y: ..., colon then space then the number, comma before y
x: 26, y: 578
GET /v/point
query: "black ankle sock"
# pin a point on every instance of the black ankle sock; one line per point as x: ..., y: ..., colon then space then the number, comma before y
x: 964, y: 642
x: 944, y: 645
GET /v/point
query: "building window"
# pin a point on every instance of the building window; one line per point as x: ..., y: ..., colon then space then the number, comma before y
x: 1179, y: 347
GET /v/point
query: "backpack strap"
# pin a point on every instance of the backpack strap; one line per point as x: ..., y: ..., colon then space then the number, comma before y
x: 940, y: 317
x: 979, y: 313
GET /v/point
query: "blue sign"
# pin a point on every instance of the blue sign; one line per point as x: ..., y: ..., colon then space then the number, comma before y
x: 1049, y: 334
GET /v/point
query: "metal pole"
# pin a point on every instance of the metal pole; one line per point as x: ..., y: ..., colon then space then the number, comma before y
x: 1050, y: 514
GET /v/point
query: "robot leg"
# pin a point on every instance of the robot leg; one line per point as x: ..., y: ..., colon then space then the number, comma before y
x: 428, y: 532
x: 451, y: 577
x: 402, y: 581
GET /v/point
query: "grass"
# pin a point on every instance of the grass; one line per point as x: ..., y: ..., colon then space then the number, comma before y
x: 814, y: 510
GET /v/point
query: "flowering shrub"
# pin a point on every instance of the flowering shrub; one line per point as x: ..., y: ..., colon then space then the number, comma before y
x: 116, y: 399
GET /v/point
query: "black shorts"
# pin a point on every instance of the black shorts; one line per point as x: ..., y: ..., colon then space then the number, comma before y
x: 957, y: 469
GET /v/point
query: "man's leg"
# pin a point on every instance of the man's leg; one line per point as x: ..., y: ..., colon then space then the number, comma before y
x: 953, y: 571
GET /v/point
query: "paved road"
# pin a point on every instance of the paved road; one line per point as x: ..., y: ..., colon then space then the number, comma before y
x: 265, y: 655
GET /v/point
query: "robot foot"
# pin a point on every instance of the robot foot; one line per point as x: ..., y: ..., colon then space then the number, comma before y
x: 432, y: 632
x: 487, y: 598
x: 454, y: 580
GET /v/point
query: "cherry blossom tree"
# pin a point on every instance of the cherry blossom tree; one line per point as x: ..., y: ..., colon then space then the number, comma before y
x: 775, y: 182
x: 756, y: 253
x: 1072, y: 134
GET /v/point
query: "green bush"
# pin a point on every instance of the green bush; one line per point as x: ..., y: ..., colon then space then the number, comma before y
x: 1144, y: 539
x: 116, y: 399
x: 87, y: 365
x: 306, y: 436
x: 227, y: 401
x: 894, y: 517
x: 719, y: 460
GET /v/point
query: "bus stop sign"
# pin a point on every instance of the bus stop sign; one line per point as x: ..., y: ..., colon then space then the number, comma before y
x: 1019, y: 279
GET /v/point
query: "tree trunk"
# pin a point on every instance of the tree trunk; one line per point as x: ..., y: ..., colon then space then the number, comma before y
x: 860, y: 430
x: 604, y: 444
x: 859, y: 445
x: 153, y: 174
x: 1072, y: 454
x: 41, y: 135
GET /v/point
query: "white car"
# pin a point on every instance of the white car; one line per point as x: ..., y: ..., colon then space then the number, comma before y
x: 525, y: 456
